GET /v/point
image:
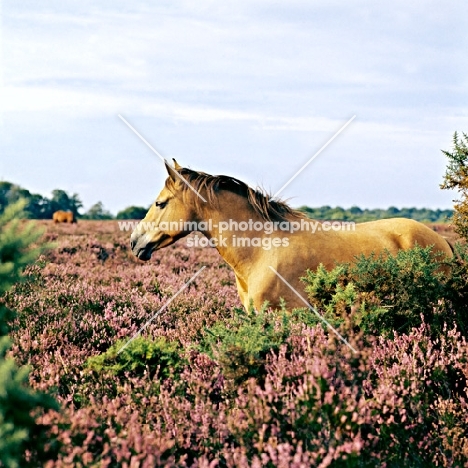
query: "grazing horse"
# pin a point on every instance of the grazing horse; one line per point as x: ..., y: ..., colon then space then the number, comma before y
x: 63, y: 217
x: 260, y: 237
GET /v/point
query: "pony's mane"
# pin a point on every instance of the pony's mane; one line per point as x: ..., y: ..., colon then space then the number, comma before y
x: 270, y: 209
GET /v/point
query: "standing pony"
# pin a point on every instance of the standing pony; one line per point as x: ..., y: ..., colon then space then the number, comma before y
x: 230, y: 217
x: 63, y: 217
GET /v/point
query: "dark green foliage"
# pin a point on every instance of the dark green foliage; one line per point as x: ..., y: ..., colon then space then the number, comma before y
x: 156, y: 357
x: 359, y: 215
x: 18, y: 403
x: 62, y: 201
x: 240, y: 345
x: 132, y: 212
x: 456, y: 177
x: 18, y: 429
x: 97, y: 211
x: 16, y: 252
x: 37, y: 206
x: 382, y: 294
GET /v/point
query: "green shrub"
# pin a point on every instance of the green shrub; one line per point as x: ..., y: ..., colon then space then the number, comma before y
x: 241, y: 344
x: 382, y: 294
x: 157, y: 357
x: 16, y: 252
x: 456, y: 177
x: 18, y: 403
x: 18, y: 407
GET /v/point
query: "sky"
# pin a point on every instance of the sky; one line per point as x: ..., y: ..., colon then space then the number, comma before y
x: 251, y: 89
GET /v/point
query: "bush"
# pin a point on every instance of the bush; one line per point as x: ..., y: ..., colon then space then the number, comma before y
x: 382, y: 294
x: 157, y: 357
x: 241, y: 345
x: 19, y: 405
x: 456, y: 177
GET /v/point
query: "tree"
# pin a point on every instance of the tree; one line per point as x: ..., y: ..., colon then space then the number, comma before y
x: 132, y: 212
x: 11, y: 193
x: 18, y: 428
x: 456, y: 177
x: 97, y: 211
x: 62, y: 201
x: 37, y: 206
x: 355, y: 210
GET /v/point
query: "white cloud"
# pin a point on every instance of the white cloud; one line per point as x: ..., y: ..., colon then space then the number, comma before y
x: 237, y: 78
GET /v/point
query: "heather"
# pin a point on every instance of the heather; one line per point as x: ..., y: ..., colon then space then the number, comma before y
x: 209, y: 384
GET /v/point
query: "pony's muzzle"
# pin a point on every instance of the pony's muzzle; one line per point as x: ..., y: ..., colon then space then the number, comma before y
x: 138, y: 245
x: 143, y: 245
x: 133, y: 240
x: 142, y: 250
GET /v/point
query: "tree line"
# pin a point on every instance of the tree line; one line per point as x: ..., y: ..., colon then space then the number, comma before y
x: 40, y: 207
x: 359, y: 215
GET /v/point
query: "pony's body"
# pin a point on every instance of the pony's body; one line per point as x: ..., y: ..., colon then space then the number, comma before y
x: 63, y: 217
x: 229, y: 199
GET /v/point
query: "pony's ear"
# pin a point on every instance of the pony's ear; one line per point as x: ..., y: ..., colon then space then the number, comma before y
x: 171, y: 171
x: 177, y: 166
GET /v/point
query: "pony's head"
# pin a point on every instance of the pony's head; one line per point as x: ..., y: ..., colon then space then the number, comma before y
x: 178, y: 207
x: 166, y: 219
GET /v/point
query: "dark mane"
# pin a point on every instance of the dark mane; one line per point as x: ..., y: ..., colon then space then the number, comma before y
x: 262, y: 203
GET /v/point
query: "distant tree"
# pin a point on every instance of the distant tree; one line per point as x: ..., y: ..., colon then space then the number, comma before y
x: 355, y: 210
x: 62, y: 201
x: 132, y: 212
x: 4, y: 194
x: 338, y: 213
x: 37, y: 206
x: 10, y: 193
x: 456, y: 177
x: 359, y: 215
x: 97, y: 211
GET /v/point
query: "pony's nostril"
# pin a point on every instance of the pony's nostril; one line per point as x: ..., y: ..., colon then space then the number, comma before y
x: 132, y: 244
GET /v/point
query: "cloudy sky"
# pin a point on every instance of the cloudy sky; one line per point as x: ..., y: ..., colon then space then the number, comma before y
x: 247, y: 88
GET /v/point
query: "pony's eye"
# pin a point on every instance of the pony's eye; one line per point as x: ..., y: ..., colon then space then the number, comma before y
x: 160, y: 204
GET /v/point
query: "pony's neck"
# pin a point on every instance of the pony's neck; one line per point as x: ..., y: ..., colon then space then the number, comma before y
x: 231, y: 209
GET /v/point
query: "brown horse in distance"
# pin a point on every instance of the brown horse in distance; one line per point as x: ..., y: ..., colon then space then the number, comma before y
x: 256, y: 261
x: 63, y: 217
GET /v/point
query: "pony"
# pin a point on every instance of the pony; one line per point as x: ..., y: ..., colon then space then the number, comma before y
x: 63, y: 217
x: 268, y: 244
